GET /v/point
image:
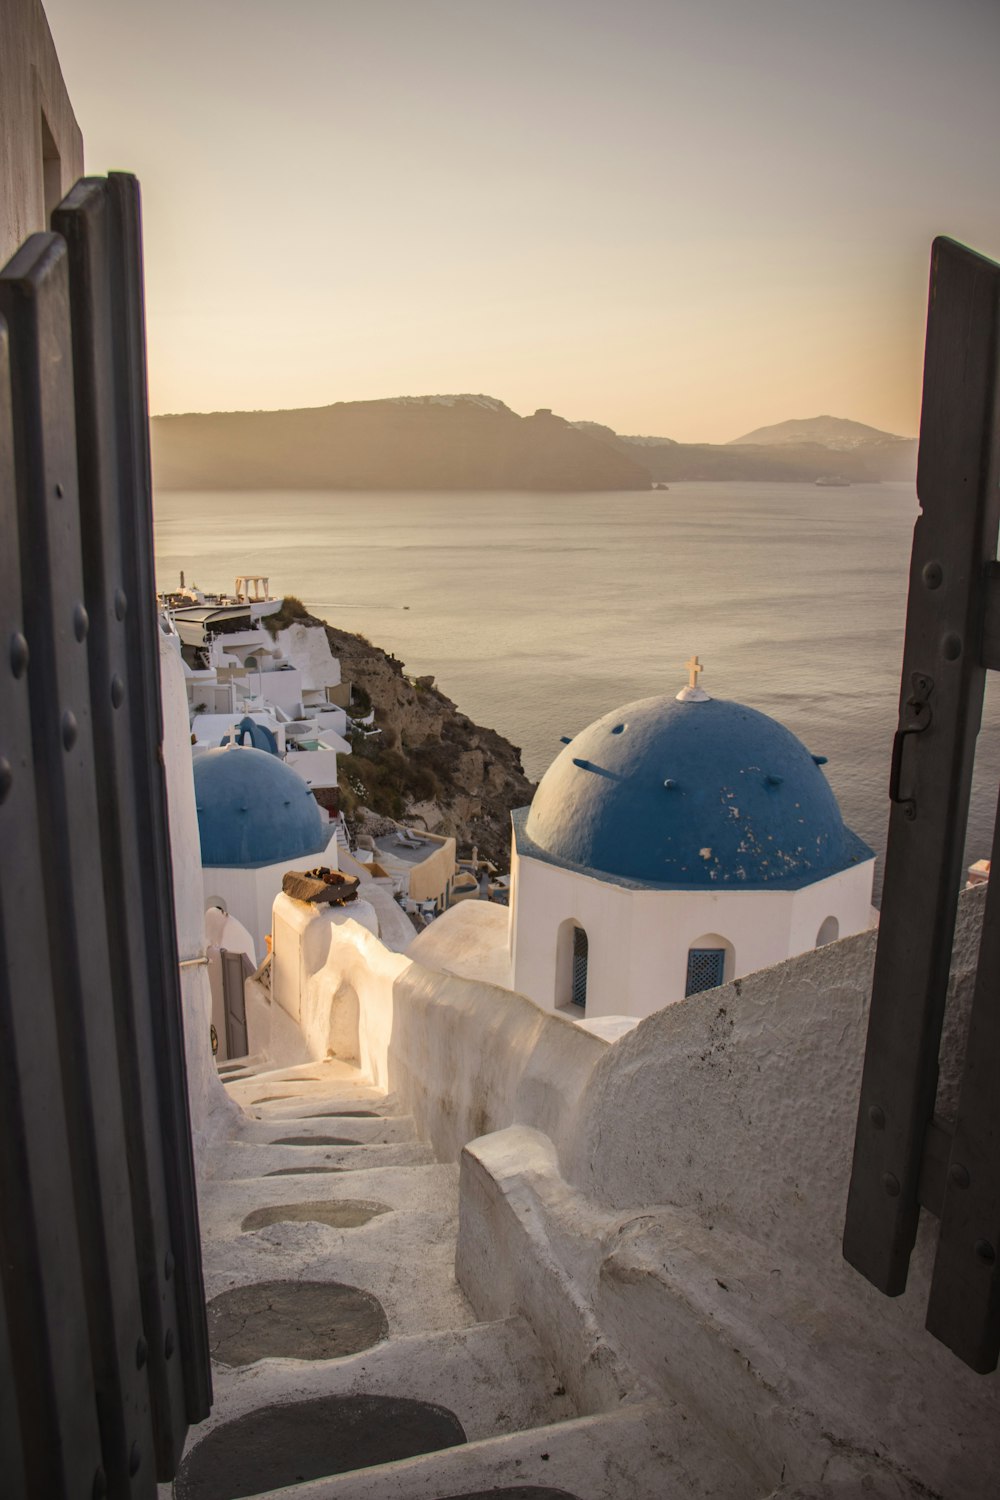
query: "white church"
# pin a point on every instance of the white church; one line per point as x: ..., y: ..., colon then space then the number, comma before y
x: 675, y: 844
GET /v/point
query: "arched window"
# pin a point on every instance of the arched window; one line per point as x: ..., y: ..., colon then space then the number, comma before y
x: 829, y: 932
x: 710, y: 962
x: 578, y: 995
x: 572, y: 961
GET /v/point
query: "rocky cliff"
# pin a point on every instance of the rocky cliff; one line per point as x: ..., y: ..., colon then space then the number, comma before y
x: 430, y: 765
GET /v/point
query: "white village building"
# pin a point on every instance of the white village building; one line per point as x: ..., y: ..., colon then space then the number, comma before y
x: 277, y: 698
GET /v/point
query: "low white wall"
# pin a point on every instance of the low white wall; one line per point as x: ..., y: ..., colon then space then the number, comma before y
x: 470, y: 940
x: 743, y: 1099
x: 693, y: 1227
x: 318, y: 969
x: 466, y: 1058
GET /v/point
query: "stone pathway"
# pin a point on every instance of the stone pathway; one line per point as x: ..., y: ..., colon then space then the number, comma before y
x: 348, y: 1365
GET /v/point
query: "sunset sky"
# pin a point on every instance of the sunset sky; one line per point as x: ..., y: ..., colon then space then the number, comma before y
x: 680, y: 217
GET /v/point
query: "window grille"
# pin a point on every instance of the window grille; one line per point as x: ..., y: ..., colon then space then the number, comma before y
x: 706, y: 969
x: 580, y: 952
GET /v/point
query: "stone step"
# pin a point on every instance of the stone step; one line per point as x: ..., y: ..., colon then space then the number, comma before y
x: 238, y: 1159
x: 380, y: 1130
x: 352, y: 1104
x: 401, y: 1248
x: 232, y: 1069
x: 432, y: 1187
x: 261, y: 1097
x: 647, y: 1451
x: 472, y: 1383
x: 330, y: 1076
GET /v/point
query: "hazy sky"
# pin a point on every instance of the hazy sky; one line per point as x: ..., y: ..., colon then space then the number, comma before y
x: 681, y: 217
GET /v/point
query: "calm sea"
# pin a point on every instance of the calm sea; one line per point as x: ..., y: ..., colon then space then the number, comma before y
x: 537, y: 613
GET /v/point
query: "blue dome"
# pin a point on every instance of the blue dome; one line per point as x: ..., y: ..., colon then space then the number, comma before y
x: 698, y: 793
x: 253, y: 809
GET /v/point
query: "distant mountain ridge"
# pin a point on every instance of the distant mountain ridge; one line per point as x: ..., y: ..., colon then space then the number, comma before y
x: 459, y: 442
x: 801, y: 450
x: 831, y: 432
x: 476, y: 442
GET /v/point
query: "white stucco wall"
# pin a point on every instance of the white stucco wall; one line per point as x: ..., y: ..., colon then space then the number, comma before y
x: 316, y: 767
x: 847, y: 896
x: 282, y: 687
x: 470, y: 940
x: 32, y: 91
x: 308, y: 649
x: 321, y: 956
x: 211, y: 1108
x: 211, y: 729
x: 224, y: 931
x: 463, y: 1055
x: 639, y: 939
x: 249, y: 894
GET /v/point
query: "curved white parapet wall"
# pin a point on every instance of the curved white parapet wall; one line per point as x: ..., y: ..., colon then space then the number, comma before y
x: 464, y: 1056
x: 470, y: 940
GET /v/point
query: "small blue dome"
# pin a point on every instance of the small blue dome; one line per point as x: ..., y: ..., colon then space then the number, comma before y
x: 698, y: 793
x: 253, y: 809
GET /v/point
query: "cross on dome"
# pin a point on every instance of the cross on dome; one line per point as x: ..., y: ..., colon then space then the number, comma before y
x: 692, y: 693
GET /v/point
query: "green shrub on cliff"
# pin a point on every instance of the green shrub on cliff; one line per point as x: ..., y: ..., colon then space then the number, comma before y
x: 291, y: 610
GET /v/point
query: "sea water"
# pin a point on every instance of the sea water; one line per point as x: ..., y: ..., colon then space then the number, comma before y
x: 537, y: 613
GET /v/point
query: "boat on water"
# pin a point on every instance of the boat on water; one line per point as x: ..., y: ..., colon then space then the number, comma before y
x: 833, y: 482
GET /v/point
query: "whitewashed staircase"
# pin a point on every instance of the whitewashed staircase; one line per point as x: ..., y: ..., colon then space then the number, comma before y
x: 522, y: 1436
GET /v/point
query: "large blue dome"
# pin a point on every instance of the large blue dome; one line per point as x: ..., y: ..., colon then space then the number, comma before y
x: 253, y: 809
x: 698, y: 793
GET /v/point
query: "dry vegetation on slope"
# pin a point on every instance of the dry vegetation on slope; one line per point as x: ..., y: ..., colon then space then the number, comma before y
x: 431, y: 765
